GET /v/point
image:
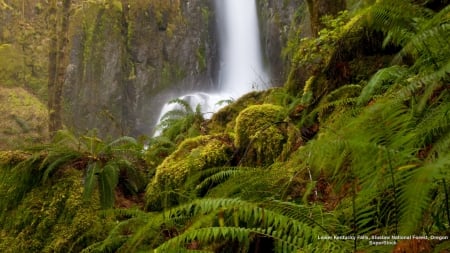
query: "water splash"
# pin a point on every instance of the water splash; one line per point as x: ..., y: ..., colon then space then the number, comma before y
x: 241, y: 68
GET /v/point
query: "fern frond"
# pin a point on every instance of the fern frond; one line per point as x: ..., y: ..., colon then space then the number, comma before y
x: 433, y: 124
x: 123, y: 141
x: 214, y: 176
x: 90, y: 180
x: 383, y: 77
x: 313, y: 216
x: 208, y: 235
x: 183, y: 103
x: 217, y: 178
x: 415, y: 192
x: 66, y: 138
x: 173, y: 114
x: 397, y: 18
x: 441, y: 146
x: 292, y: 233
x: 107, y: 182
x: 16, y: 182
x: 59, y: 160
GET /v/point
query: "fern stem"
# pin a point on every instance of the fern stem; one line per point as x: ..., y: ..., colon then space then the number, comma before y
x: 446, y: 201
x: 394, y: 188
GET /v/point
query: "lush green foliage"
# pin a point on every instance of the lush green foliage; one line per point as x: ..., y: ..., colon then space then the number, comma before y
x: 181, y: 122
x: 194, y: 154
x: 358, y: 155
x: 103, y: 165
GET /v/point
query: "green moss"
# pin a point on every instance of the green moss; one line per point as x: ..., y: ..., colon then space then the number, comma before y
x: 224, y: 120
x: 100, y: 23
x: 52, y: 217
x: 201, y: 58
x: 194, y: 154
x: 12, y: 157
x: 206, y: 15
x: 171, y: 74
x: 23, y: 118
x: 259, y: 134
x: 11, y: 65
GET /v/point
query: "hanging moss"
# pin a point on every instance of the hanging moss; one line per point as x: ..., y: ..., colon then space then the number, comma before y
x: 194, y: 154
x: 259, y: 134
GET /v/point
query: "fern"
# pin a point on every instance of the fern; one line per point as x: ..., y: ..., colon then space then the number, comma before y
x: 17, y: 181
x: 107, y: 182
x: 289, y: 233
x: 181, y: 122
x: 398, y: 19
x: 206, y: 179
x: 90, y: 181
x: 102, y: 162
x: 382, y: 78
x: 415, y: 199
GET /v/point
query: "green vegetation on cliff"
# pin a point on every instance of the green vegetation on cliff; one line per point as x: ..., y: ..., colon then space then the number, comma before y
x: 356, y: 144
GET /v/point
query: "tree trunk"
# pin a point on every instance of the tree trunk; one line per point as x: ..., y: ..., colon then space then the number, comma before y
x: 52, y: 65
x: 57, y: 64
x: 319, y: 8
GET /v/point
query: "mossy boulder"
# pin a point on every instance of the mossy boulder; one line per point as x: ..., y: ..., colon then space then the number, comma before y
x: 193, y: 155
x: 259, y: 134
x: 23, y: 119
x: 225, y: 119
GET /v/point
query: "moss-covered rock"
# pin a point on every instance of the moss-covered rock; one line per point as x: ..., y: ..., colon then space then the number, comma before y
x: 193, y: 155
x: 259, y: 134
x: 225, y: 118
x: 23, y: 118
x: 51, y: 217
x: 11, y: 158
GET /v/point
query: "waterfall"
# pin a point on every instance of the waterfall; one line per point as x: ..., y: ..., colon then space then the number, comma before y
x: 241, y: 68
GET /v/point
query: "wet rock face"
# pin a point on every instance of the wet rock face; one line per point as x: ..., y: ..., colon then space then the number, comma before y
x: 275, y: 18
x: 126, y: 61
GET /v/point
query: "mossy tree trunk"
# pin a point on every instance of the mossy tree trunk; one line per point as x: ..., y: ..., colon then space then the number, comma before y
x: 59, y: 41
x: 319, y: 8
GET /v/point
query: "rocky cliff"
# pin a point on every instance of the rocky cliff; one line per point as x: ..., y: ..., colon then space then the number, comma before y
x: 127, y: 61
x: 276, y: 18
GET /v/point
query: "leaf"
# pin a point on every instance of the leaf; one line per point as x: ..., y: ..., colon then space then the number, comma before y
x: 90, y: 180
x: 107, y: 182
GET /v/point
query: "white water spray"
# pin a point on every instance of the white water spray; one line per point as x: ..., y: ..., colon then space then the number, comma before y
x: 241, y: 69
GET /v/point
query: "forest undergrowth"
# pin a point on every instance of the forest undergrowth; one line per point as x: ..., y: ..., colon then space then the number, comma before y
x: 351, y: 155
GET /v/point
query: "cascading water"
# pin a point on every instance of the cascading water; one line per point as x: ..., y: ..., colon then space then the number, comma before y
x: 241, y: 69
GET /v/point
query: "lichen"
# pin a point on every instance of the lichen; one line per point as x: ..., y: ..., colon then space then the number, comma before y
x: 259, y: 134
x: 194, y: 154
